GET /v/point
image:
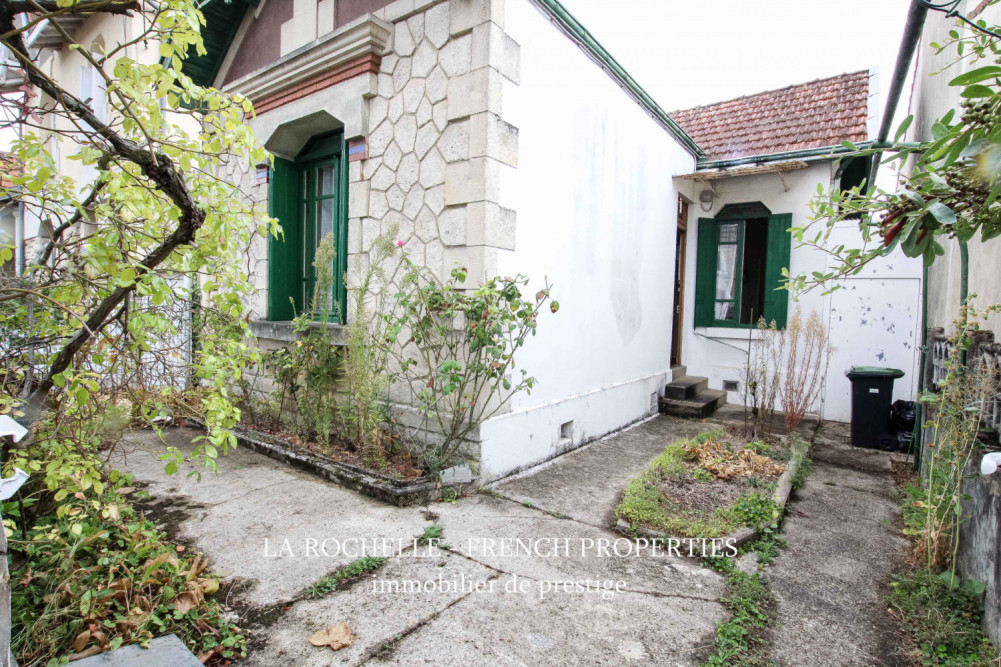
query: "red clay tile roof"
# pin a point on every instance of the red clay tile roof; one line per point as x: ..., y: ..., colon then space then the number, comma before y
x: 816, y: 114
x: 8, y: 169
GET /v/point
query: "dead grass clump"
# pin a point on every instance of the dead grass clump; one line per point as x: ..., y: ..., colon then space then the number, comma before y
x: 722, y: 463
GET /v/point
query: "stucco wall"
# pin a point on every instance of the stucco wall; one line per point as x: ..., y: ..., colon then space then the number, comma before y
x: 596, y: 214
x: 932, y: 98
x: 873, y: 320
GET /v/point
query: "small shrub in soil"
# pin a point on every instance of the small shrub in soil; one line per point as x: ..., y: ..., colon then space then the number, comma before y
x: 704, y: 487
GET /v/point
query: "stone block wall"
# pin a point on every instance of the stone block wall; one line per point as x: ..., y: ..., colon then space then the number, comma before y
x: 438, y: 145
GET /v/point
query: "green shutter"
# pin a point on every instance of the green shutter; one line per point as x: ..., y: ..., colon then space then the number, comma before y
x: 779, y: 250
x: 705, y: 272
x: 284, y: 253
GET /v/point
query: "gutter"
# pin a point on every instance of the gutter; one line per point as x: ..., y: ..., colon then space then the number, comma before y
x: 805, y: 154
x: 573, y: 28
x: 823, y: 152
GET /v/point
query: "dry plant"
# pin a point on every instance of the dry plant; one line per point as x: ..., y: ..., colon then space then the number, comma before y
x: 807, y: 357
x: 955, y: 416
x: 762, y: 376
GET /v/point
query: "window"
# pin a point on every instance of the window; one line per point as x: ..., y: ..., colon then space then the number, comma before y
x: 741, y: 254
x: 309, y: 198
x: 853, y: 172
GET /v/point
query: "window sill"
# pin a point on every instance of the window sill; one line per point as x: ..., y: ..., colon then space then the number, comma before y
x: 735, y: 333
x: 283, y: 331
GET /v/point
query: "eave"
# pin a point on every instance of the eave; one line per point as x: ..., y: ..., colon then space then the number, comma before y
x: 745, y: 170
x: 804, y: 154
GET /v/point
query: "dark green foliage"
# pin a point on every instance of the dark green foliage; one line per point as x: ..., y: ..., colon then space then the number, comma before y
x: 944, y: 619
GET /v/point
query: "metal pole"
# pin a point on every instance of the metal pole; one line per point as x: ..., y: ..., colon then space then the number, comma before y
x: 905, y: 56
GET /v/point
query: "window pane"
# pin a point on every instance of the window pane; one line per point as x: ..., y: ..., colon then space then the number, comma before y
x: 728, y: 233
x: 324, y: 219
x: 724, y: 311
x: 726, y: 272
x: 325, y: 181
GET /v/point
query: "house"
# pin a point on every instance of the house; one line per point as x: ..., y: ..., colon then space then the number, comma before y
x: 765, y: 156
x: 11, y: 229
x: 427, y: 117
x: 500, y: 136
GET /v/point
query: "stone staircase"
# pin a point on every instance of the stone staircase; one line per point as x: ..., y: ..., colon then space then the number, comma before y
x: 690, y: 396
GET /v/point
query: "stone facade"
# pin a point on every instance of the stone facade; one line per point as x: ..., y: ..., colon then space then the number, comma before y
x: 438, y: 144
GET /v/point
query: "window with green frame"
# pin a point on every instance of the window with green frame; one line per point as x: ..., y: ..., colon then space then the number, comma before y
x: 741, y: 254
x: 309, y: 198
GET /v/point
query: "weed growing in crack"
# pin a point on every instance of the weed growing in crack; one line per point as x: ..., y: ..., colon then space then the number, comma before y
x: 739, y: 641
x: 432, y: 536
x: 328, y: 584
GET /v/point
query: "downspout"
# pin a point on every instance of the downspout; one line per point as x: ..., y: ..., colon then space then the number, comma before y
x: 919, y: 408
x: 905, y: 56
x: 964, y: 291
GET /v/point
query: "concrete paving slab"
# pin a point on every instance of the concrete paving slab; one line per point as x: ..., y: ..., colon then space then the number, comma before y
x: 372, y: 608
x: 587, y: 484
x: 568, y: 549
x: 165, y: 651
x: 843, y: 546
x: 228, y: 516
x: 563, y: 629
x: 832, y: 444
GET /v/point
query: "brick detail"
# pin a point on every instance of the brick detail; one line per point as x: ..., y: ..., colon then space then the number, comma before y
x: 366, y: 64
x: 357, y: 149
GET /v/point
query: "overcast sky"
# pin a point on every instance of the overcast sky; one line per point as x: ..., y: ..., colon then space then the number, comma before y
x: 700, y: 51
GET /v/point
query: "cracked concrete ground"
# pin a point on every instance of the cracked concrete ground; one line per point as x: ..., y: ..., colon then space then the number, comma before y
x: 587, y: 483
x: 665, y: 612
x: 844, y: 544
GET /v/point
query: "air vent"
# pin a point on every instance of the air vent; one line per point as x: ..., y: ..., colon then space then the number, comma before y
x: 566, y: 432
x: 730, y: 385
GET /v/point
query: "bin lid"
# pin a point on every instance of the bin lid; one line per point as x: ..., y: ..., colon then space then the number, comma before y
x: 873, y: 372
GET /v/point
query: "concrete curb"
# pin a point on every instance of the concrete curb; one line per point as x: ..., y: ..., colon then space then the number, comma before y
x: 741, y: 536
x: 399, y: 492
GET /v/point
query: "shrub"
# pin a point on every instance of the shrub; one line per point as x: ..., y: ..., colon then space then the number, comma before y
x: 808, y: 356
x: 92, y: 574
x: 459, y: 361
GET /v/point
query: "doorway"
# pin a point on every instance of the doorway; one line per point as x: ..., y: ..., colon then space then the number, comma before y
x: 681, y: 244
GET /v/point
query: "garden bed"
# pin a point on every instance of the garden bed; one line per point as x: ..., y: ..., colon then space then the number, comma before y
x: 395, y: 489
x: 711, y: 487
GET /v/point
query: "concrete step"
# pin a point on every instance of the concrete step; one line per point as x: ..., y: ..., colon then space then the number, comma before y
x: 700, y: 406
x: 685, y: 387
x: 678, y: 372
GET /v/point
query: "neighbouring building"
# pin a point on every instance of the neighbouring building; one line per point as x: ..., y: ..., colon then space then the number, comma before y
x: 979, y: 551
x: 11, y: 229
x: 765, y: 155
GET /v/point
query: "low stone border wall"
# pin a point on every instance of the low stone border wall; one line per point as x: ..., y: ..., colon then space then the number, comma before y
x: 741, y: 536
x: 399, y: 492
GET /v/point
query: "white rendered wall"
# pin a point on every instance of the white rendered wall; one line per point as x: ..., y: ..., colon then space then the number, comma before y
x: 596, y: 214
x: 873, y: 320
x: 931, y: 98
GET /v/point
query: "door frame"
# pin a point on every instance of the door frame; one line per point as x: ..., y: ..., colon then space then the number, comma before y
x: 678, y: 319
